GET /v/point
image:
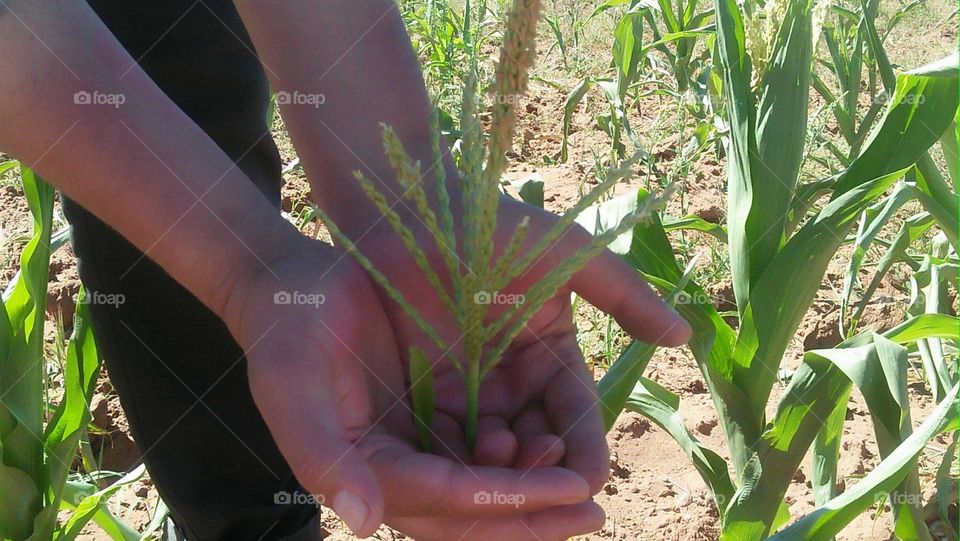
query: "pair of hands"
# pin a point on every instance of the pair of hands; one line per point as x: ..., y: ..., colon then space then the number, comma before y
x: 329, y: 380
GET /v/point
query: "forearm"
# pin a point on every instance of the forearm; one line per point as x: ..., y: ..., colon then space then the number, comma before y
x: 142, y: 165
x: 357, y: 55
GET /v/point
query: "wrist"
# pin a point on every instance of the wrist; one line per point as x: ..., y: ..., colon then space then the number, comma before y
x: 254, y: 264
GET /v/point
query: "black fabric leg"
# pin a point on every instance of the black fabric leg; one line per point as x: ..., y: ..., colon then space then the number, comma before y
x: 180, y: 376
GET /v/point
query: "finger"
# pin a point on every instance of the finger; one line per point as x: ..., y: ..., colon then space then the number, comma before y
x: 338, y: 472
x: 541, y: 451
x: 451, y: 489
x: 539, y: 447
x: 314, y: 441
x: 558, y: 523
x: 573, y: 410
x: 496, y: 444
x: 612, y: 285
x: 447, y: 438
x: 331, y: 468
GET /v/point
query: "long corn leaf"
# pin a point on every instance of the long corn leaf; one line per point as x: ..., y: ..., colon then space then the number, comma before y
x: 662, y: 407
x: 817, y: 390
x: 830, y: 519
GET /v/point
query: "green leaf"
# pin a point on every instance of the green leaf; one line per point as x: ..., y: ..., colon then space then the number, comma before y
x: 530, y: 189
x: 628, y: 50
x: 880, y: 372
x: 19, y: 503
x: 615, y: 387
x: 741, y: 144
x: 787, y: 288
x: 950, y: 147
x: 22, y: 368
x: 937, y: 199
x: 929, y: 295
x: 663, y: 408
x: 422, y: 395
x: 920, y: 110
x: 791, y: 279
x: 89, y: 506
x: 830, y: 519
x: 8, y: 165
x: 826, y: 454
x: 81, y: 368
x: 775, y: 164
x: 872, y: 222
x: 573, y: 99
x: 946, y: 486
x: 818, y: 388
x: 80, y: 371
x: 695, y: 223
x: 617, y: 114
x: 647, y: 249
x: 924, y: 326
x: 607, y: 5
x: 911, y: 229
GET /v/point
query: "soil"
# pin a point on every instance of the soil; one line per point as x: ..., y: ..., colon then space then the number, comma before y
x: 653, y: 491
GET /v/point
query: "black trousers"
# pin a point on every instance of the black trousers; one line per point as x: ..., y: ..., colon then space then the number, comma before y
x: 180, y: 376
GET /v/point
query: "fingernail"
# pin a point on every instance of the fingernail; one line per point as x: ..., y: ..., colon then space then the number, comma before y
x: 351, y: 509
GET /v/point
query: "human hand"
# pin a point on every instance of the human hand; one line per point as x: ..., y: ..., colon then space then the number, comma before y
x: 326, y: 375
x: 538, y: 406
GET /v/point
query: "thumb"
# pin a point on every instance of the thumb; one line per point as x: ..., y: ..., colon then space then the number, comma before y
x: 339, y: 473
x: 307, y: 425
x: 613, y: 286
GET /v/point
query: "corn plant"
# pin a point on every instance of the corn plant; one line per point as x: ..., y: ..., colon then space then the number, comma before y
x: 629, y: 56
x: 681, y: 23
x: 778, y: 260
x: 485, y: 339
x: 679, y: 26
x: 560, y: 41
x: 925, y: 183
x: 445, y: 40
x: 36, y: 454
x: 859, y: 65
